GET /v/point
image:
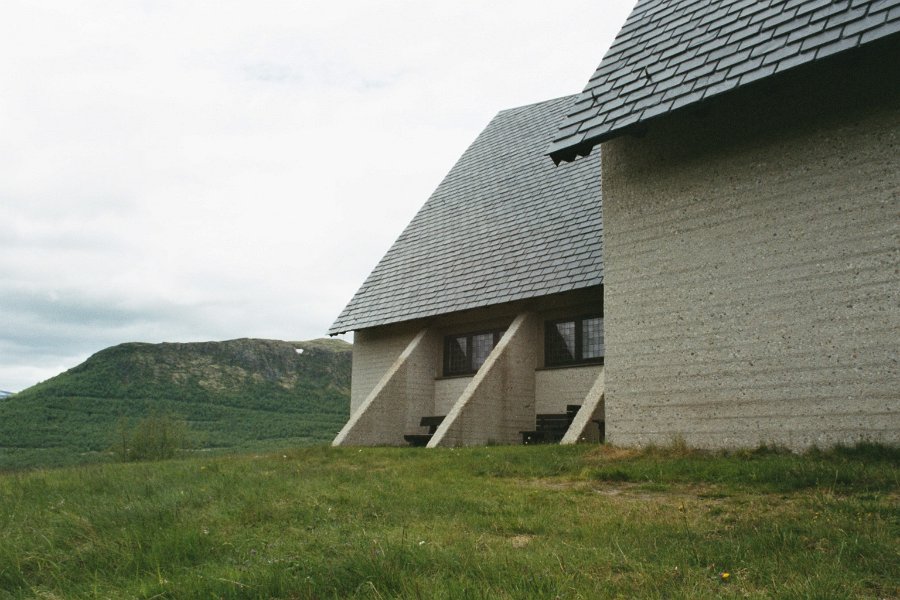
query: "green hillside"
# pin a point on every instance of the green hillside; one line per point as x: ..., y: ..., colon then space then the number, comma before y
x: 242, y: 394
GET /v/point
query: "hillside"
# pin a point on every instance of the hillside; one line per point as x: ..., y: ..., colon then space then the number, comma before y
x: 242, y: 394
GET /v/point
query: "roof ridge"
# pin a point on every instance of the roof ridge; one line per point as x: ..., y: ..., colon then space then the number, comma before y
x: 572, y: 97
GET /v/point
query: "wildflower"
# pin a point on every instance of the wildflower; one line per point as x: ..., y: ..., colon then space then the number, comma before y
x: 725, y: 575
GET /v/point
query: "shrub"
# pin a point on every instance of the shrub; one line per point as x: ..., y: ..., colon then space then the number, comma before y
x: 156, y: 437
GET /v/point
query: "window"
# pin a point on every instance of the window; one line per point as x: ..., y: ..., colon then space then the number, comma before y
x: 573, y: 341
x: 465, y: 353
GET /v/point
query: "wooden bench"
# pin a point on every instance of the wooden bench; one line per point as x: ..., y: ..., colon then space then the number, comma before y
x: 422, y: 439
x: 432, y: 423
x: 551, y: 427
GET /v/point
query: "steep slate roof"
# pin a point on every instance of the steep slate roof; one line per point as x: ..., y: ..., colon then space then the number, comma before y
x: 503, y: 225
x: 673, y: 53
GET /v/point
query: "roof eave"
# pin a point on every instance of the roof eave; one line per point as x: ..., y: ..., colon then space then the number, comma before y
x: 586, y: 146
x: 570, y: 153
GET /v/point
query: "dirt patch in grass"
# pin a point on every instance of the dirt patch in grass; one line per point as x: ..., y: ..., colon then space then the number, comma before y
x: 606, y: 452
x: 638, y: 490
x: 520, y: 541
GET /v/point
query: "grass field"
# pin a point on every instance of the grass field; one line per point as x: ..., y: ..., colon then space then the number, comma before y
x: 494, y: 522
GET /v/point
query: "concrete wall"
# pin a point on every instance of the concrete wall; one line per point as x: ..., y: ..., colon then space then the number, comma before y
x: 752, y: 253
x: 557, y: 388
x: 586, y: 427
x: 397, y: 402
x: 404, y: 394
x: 499, y: 401
x: 447, y: 392
x: 374, y: 351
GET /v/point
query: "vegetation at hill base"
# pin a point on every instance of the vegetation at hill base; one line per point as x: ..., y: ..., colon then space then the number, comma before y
x: 236, y: 395
x: 154, y: 437
x: 493, y: 522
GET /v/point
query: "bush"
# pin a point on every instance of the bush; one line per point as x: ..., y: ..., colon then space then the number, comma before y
x: 156, y: 437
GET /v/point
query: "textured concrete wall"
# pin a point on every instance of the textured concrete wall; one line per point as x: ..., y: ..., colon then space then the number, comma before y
x: 499, y: 401
x: 751, y: 255
x: 585, y: 426
x: 557, y: 388
x: 374, y: 351
x: 397, y: 402
x: 447, y: 392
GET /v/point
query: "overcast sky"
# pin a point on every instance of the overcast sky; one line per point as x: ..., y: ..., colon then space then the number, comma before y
x: 192, y: 170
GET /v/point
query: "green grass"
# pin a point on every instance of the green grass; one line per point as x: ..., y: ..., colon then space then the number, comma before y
x: 495, y: 522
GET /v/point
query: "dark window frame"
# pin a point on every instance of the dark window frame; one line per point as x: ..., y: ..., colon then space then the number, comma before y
x: 578, y: 359
x: 469, y: 370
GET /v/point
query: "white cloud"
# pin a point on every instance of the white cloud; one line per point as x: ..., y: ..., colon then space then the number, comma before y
x: 207, y: 170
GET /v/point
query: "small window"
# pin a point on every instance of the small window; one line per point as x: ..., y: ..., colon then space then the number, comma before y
x: 465, y: 353
x: 574, y: 341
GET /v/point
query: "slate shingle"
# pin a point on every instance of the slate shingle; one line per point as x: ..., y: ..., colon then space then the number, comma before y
x: 504, y: 224
x: 713, y: 46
